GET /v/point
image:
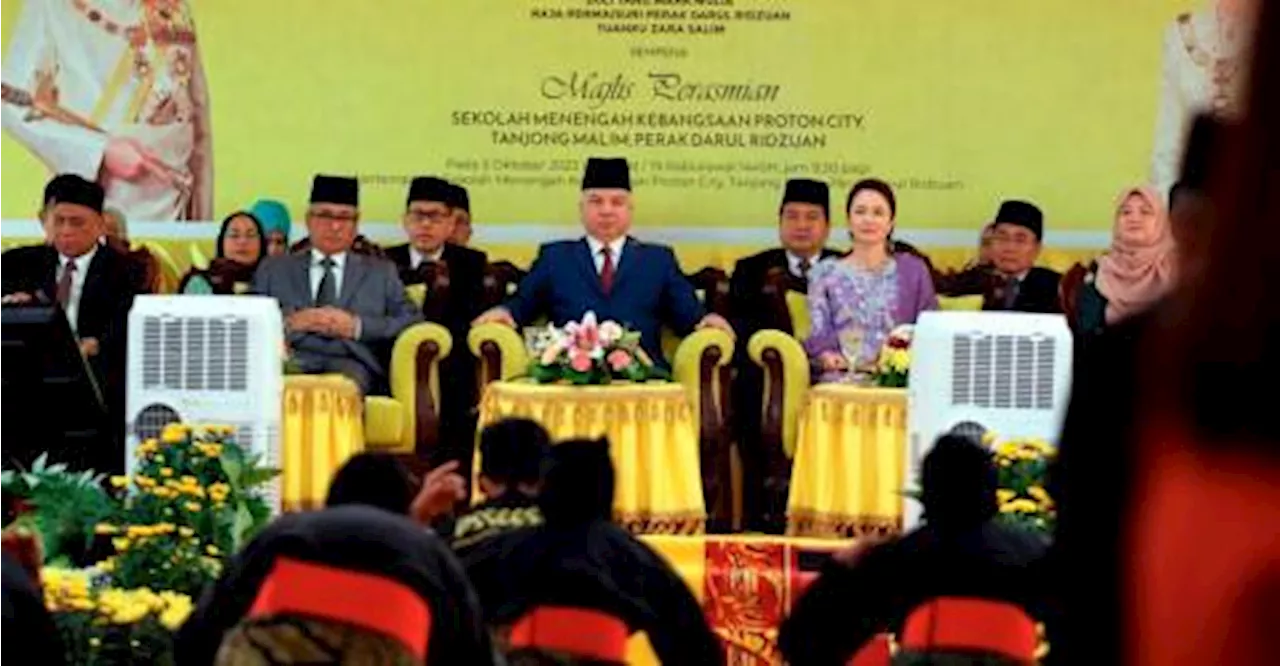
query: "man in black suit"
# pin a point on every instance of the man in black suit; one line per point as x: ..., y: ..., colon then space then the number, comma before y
x: 803, y: 227
x: 429, y: 222
x: 1012, y: 283
x: 92, y: 282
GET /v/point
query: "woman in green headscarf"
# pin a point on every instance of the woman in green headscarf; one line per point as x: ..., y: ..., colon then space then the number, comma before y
x: 275, y: 223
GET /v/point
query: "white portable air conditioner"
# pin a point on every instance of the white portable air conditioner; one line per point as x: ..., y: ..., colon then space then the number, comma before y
x: 1005, y: 372
x: 213, y: 360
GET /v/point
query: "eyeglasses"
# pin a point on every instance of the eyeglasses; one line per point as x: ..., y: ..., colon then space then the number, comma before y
x: 1012, y: 239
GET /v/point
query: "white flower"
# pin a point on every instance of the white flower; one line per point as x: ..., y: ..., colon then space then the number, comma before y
x: 610, y: 332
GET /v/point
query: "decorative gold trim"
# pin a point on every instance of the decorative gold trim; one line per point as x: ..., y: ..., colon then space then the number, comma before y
x: 824, y: 524
x: 685, y: 523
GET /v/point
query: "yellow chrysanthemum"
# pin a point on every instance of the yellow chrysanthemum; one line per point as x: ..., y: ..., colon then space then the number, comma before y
x: 144, y: 482
x: 177, y: 607
x: 218, y: 491
x: 186, y: 532
x: 121, y: 544
x: 105, y: 528
x: 166, y: 472
x: 1020, y: 506
x: 212, y: 550
x: 174, y: 433
x: 1005, y: 495
x: 125, y: 606
x: 120, y: 482
x: 193, y: 507
x: 1038, y: 493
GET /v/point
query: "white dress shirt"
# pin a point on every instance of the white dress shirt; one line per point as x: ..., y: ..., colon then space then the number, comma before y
x: 317, y: 271
x: 417, y: 258
x: 77, y: 284
x: 793, y: 264
x: 615, y: 249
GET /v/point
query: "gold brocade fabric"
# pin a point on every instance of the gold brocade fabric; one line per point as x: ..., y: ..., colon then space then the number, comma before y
x: 322, y: 428
x: 847, y: 479
x: 653, y: 441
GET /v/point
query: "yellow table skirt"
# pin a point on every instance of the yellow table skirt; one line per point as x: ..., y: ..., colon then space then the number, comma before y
x: 746, y: 584
x: 323, y: 426
x: 653, y: 442
x: 850, y: 449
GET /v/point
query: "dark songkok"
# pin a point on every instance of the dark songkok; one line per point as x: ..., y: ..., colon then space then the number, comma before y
x: 335, y: 190
x: 1022, y: 214
x: 607, y: 174
x: 72, y: 189
x: 803, y: 190
x: 579, y: 482
x: 458, y: 197
x: 430, y: 188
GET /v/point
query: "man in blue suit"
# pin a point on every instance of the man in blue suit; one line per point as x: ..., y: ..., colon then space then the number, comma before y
x: 638, y: 285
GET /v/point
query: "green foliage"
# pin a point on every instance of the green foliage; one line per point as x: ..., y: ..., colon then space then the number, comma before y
x: 63, y: 507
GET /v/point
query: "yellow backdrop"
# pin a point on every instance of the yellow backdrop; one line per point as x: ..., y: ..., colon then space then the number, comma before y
x: 959, y: 103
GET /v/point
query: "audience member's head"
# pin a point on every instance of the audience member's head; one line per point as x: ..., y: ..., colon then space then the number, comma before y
x: 606, y: 199
x: 958, y: 483
x: 373, y: 479
x: 73, y: 214
x: 578, y: 484
x: 333, y: 214
x: 241, y: 239
x: 872, y: 209
x: 512, y: 455
x: 1017, y: 232
x: 428, y: 215
x: 389, y: 595
x: 26, y: 615
x: 276, y: 223
x: 804, y: 217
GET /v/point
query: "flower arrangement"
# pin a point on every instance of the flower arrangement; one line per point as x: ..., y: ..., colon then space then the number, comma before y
x: 100, y: 624
x: 1022, y: 466
x: 894, y: 362
x: 589, y: 352
x: 194, y: 496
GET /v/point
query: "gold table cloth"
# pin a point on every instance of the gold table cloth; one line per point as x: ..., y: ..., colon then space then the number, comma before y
x: 653, y: 441
x: 847, y: 476
x: 323, y: 427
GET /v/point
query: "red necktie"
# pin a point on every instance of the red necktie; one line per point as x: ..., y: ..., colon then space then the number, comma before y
x: 64, y: 283
x: 606, y: 269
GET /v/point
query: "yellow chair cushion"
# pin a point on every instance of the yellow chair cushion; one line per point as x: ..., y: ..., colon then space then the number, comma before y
x: 798, y: 304
x: 960, y: 303
x: 384, y: 423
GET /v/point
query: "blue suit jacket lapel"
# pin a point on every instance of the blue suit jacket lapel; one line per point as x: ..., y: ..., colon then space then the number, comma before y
x: 628, y: 262
x: 587, y: 266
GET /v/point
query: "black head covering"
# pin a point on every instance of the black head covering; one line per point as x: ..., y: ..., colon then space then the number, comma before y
x: 352, y: 538
x: 458, y: 197
x: 372, y: 479
x: 958, y: 482
x: 226, y: 225
x: 803, y: 190
x: 70, y: 188
x: 25, y: 615
x: 605, y: 173
x: 578, y: 484
x: 335, y: 190
x: 429, y: 188
x: 513, y: 451
x: 1023, y: 214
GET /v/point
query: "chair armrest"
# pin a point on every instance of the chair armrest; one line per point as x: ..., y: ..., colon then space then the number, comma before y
x: 415, y: 382
x: 695, y: 363
x: 501, y: 352
x: 702, y: 365
x: 786, y: 380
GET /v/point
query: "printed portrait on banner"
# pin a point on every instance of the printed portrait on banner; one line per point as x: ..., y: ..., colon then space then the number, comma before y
x: 114, y: 90
x: 1203, y: 59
